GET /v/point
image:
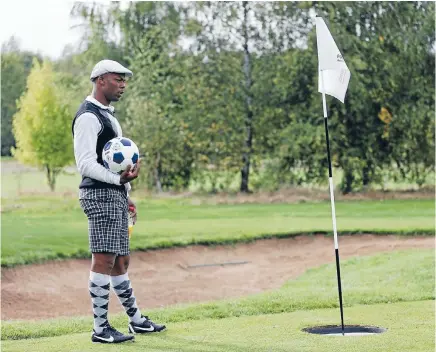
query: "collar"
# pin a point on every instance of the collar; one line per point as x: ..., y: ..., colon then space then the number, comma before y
x: 100, y: 105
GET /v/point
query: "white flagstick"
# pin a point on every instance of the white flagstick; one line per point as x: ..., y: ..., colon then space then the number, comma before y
x: 332, y: 201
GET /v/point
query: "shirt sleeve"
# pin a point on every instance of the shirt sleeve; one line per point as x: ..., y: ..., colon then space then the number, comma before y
x: 86, y: 130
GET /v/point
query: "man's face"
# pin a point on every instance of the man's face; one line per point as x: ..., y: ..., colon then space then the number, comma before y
x: 112, y: 85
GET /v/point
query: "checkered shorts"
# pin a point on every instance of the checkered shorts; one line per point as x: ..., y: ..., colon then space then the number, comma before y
x: 107, y: 212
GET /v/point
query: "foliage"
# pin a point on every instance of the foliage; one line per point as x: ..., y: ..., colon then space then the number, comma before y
x: 42, y: 125
x: 231, y: 88
x: 15, y: 67
x: 386, y: 112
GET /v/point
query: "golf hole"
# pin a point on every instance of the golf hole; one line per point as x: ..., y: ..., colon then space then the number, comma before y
x: 349, y: 330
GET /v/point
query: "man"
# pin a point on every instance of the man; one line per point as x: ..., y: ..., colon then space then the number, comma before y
x: 104, y: 199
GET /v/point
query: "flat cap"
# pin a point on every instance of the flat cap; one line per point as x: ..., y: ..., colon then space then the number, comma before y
x: 109, y: 66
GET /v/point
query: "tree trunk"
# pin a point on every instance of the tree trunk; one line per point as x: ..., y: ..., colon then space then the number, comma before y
x: 366, y: 176
x: 246, y: 155
x: 347, y: 181
x: 156, y: 174
x: 51, y: 177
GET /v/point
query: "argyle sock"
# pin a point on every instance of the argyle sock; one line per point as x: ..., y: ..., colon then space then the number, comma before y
x: 123, y: 289
x: 99, y: 288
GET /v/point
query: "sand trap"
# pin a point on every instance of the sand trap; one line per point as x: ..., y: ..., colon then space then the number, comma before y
x: 183, y: 275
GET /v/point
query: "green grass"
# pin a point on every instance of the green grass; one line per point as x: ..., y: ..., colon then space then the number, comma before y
x: 41, y: 228
x: 384, y: 278
x: 18, y: 179
x: 395, y: 290
x: 6, y: 158
x: 410, y: 329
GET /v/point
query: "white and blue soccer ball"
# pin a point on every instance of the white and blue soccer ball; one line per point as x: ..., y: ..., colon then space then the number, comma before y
x: 118, y: 153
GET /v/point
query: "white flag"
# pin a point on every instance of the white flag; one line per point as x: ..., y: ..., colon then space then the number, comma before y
x: 334, y: 74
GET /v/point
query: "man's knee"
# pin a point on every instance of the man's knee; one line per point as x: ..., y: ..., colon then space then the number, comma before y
x: 121, y: 265
x: 126, y: 262
x: 103, y: 262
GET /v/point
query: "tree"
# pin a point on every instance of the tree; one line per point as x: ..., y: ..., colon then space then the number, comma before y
x: 215, y: 114
x: 409, y: 133
x: 388, y: 47
x: 42, y: 125
x: 246, y: 32
x: 231, y: 88
x: 15, y: 67
x: 155, y: 103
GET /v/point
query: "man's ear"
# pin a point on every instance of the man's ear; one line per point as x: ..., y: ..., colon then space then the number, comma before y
x: 101, y: 80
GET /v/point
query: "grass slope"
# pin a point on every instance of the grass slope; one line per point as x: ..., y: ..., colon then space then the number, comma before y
x: 410, y: 329
x: 38, y: 229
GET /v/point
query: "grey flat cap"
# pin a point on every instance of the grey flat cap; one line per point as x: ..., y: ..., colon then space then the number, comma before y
x: 109, y: 66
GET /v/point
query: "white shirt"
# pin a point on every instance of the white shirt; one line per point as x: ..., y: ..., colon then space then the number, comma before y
x: 86, y: 131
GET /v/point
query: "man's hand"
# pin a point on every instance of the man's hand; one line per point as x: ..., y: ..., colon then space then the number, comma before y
x: 128, y: 175
x: 132, y: 209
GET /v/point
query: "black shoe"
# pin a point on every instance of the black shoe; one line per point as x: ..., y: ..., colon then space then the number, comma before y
x: 146, y: 327
x: 110, y: 335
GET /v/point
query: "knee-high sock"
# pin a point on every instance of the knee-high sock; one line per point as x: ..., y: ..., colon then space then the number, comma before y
x: 123, y: 288
x: 99, y: 288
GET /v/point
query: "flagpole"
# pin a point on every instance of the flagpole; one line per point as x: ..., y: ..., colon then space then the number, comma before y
x: 332, y: 201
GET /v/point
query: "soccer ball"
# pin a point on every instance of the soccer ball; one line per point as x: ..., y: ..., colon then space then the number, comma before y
x: 118, y: 153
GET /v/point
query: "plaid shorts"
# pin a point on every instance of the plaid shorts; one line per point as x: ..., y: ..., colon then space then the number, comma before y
x: 107, y: 212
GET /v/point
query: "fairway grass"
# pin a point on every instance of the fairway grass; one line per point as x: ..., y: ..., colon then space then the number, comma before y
x: 410, y: 329
x: 39, y: 228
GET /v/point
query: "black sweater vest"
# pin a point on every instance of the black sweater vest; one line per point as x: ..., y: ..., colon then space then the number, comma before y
x: 105, y: 135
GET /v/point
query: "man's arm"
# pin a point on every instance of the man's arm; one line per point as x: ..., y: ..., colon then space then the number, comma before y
x: 86, y: 130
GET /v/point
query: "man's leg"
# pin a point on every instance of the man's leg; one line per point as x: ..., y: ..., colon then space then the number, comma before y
x: 104, y: 225
x: 123, y: 288
x: 99, y: 287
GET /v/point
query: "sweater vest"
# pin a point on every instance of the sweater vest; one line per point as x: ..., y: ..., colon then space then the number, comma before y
x: 106, y: 134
